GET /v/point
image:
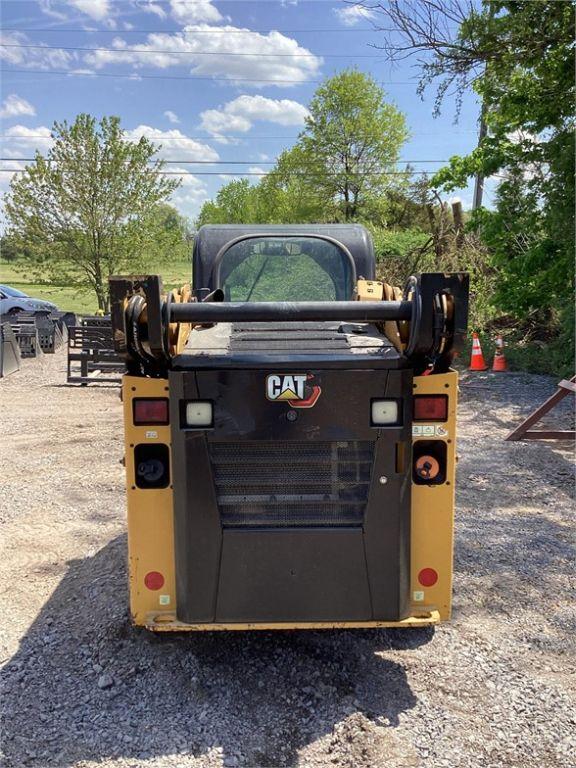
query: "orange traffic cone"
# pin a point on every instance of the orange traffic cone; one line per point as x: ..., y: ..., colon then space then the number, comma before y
x: 477, y: 362
x: 499, y: 357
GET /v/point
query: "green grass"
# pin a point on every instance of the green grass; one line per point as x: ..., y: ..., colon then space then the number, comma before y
x: 71, y: 299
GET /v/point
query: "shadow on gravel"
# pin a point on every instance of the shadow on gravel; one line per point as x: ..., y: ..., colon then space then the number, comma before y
x: 258, y: 697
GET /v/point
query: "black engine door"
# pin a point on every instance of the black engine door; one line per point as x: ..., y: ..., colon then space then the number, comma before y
x: 286, y: 513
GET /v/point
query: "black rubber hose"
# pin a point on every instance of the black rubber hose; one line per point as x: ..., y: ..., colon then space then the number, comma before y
x: 413, y: 285
x: 134, y: 310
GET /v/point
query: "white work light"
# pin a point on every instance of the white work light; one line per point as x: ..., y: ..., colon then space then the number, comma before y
x: 385, y: 412
x: 199, y: 413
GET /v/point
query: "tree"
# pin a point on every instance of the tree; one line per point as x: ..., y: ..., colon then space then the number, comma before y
x: 351, y: 141
x: 519, y: 58
x: 337, y: 169
x: 235, y: 203
x: 86, y: 210
x: 286, y: 196
x: 9, y: 250
x: 168, y: 235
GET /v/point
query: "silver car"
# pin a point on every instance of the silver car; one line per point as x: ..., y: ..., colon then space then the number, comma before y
x: 13, y: 301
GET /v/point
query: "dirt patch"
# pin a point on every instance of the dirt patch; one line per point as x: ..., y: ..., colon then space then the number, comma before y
x: 82, y: 688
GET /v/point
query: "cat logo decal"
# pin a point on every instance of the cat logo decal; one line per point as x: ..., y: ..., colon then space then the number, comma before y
x: 297, y: 390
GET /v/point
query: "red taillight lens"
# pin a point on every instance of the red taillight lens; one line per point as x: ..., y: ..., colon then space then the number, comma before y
x: 150, y: 411
x: 430, y: 407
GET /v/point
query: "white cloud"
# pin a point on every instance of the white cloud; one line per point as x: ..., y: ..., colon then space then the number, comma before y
x: 172, y: 117
x: 149, y: 6
x: 240, y: 114
x: 98, y: 10
x: 175, y: 144
x: 257, y: 169
x: 20, y: 141
x: 46, y: 7
x: 14, y: 105
x: 162, y: 50
x: 188, y: 198
x: 217, y: 122
x: 35, y: 58
x: 185, y: 12
x: 351, y: 15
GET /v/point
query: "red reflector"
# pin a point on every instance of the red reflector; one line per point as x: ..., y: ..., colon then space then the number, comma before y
x: 153, y: 411
x: 154, y: 580
x: 430, y: 407
x: 427, y: 577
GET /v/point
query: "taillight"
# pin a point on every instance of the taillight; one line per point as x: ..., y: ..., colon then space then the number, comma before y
x: 430, y: 407
x: 152, y: 410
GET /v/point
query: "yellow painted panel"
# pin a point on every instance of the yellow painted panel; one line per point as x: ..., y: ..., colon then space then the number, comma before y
x: 370, y: 290
x: 432, y: 537
x: 150, y: 516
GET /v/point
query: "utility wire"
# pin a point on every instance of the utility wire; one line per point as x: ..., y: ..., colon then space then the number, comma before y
x: 219, y: 136
x: 136, y: 76
x: 190, y: 51
x: 180, y: 2
x: 209, y: 162
x: 188, y: 32
x: 364, y: 174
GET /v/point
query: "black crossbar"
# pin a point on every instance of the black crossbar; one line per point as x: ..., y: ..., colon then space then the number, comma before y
x: 287, y: 311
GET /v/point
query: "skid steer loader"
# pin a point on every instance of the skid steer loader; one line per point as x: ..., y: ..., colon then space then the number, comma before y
x: 290, y: 427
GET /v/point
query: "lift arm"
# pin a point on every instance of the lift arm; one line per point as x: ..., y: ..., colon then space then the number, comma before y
x: 148, y: 325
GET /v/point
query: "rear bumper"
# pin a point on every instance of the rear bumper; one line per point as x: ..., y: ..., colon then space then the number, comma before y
x: 167, y: 622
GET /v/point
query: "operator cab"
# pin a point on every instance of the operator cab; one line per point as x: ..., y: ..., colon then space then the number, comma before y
x: 282, y: 263
x: 271, y: 264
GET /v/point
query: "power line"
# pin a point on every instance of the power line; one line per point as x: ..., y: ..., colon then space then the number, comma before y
x: 224, y: 174
x: 136, y: 76
x: 209, y: 162
x: 190, y: 51
x: 188, y: 32
x: 180, y: 2
x: 254, y: 137
x: 364, y: 174
x: 183, y: 2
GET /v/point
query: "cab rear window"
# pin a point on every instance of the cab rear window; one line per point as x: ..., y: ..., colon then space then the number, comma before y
x: 283, y: 268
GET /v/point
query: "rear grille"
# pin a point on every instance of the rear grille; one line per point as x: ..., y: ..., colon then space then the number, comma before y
x: 292, y: 484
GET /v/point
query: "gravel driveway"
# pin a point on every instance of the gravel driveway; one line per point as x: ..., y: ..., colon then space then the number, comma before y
x: 495, y: 687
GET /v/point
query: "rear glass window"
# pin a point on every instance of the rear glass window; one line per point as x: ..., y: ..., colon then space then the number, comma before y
x: 286, y: 269
x: 13, y: 292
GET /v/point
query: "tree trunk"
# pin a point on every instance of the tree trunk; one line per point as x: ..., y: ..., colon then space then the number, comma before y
x: 101, y: 292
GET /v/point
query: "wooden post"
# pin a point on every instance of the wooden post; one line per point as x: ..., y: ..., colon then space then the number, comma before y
x: 458, y: 223
x: 479, y: 183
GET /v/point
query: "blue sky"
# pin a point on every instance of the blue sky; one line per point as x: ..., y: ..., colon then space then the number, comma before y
x: 210, y: 80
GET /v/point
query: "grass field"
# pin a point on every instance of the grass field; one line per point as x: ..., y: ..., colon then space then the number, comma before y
x: 70, y: 298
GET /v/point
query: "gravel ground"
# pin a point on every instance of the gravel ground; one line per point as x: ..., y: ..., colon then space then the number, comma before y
x: 495, y: 687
